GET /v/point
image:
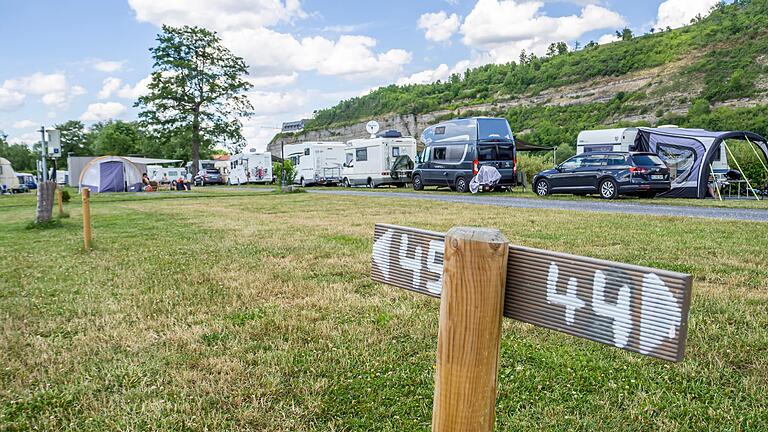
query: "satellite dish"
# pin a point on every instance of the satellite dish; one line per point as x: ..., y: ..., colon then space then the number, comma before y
x: 372, y: 127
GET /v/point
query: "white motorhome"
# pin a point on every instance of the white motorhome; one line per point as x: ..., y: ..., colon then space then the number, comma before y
x: 250, y: 168
x: 316, y: 162
x: 384, y: 160
x: 623, y: 140
x: 157, y: 173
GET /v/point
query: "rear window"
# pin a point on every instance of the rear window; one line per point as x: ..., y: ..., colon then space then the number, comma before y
x: 494, y: 129
x: 647, y: 160
x: 212, y: 171
x: 493, y: 152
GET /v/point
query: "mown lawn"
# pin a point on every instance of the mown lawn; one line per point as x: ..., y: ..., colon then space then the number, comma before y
x: 254, y: 311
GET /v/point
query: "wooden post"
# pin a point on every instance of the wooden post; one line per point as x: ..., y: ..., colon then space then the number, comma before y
x: 471, y: 308
x: 60, y: 201
x: 86, y: 218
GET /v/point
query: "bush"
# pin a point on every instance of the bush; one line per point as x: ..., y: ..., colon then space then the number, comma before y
x: 290, y: 172
x: 65, y: 196
x: 530, y: 164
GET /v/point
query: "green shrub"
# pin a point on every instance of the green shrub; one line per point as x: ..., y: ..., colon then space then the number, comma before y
x: 290, y: 172
x: 65, y: 196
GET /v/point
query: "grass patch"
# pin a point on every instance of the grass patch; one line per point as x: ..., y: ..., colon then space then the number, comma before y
x: 255, y: 311
x: 51, y: 224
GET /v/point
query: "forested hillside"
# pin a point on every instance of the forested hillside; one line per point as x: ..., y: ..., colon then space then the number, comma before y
x: 718, y: 65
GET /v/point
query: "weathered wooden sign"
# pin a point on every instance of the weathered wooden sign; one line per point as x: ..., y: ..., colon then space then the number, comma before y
x: 635, y: 308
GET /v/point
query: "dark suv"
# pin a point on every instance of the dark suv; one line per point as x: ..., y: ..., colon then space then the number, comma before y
x: 456, y: 149
x: 608, y: 174
x: 208, y: 176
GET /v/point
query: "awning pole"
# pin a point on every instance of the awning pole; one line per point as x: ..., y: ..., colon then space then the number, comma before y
x: 717, y: 185
x: 740, y: 170
x: 752, y: 146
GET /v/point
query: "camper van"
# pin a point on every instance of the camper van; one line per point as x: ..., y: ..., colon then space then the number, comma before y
x: 457, y: 149
x: 386, y: 159
x: 156, y: 173
x: 623, y: 140
x: 8, y: 180
x: 316, y: 162
x: 250, y: 168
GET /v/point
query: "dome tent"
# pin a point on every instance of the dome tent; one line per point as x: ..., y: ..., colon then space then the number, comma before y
x: 8, y: 180
x: 111, y: 174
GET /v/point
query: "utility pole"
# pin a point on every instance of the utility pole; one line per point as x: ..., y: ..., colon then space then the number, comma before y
x: 43, y: 151
x: 282, y: 156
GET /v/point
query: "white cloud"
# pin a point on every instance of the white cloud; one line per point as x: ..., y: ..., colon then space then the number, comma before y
x: 608, y: 38
x: 27, y: 139
x: 677, y: 13
x: 108, y: 66
x: 217, y: 15
x: 277, y: 102
x: 109, y: 87
x: 103, y: 111
x: 439, y: 27
x: 24, y: 124
x: 440, y: 73
x: 134, y: 92
x: 273, y: 80
x: 53, y: 89
x: 11, y: 100
x: 502, y: 28
x: 281, y: 53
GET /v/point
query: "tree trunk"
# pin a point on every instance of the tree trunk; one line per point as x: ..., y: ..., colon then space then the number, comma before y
x: 195, y: 143
x: 45, y: 193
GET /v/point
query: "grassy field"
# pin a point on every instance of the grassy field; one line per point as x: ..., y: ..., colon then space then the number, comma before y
x: 254, y: 311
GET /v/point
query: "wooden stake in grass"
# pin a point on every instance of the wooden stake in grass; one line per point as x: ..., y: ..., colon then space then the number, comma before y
x: 471, y: 308
x: 60, y: 202
x: 86, y: 218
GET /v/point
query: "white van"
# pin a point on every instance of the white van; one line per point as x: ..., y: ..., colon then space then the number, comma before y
x: 379, y: 161
x: 623, y: 140
x: 316, y: 162
x: 250, y: 168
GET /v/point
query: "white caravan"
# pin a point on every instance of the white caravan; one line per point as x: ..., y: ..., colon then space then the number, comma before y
x: 316, y: 162
x: 623, y: 140
x: 156, y: 173
x: 250, y: 168
x: 379, y: 161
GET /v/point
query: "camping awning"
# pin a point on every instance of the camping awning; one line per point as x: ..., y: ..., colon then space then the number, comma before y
x: 525, y: 146
x: 151, y: 161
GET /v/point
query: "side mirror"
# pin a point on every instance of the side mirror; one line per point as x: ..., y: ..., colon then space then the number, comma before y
x: 559, y: 168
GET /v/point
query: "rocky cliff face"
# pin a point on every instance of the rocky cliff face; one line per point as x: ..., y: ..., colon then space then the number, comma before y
x: 666, y: 90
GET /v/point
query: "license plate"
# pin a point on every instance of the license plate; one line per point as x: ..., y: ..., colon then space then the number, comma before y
x: 657, y: 177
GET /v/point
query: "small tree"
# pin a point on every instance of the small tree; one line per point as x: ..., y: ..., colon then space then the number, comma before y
x: 290, y: 172
x: 197, y: 87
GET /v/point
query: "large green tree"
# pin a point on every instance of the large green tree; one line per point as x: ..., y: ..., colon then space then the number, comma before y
x: 119, y: 138
x: 197, y: 87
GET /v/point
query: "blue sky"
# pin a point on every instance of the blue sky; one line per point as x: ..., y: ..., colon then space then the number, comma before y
x: 89, y: 59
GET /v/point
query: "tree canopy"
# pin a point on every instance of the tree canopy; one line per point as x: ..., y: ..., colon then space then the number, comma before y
x: 197, y: 90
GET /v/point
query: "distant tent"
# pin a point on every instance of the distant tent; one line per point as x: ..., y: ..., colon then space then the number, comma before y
x: 111, y: 174
x: 8, y: 180
x: 689, y: 154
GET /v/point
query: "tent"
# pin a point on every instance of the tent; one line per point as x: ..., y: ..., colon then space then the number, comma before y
x: 8, y: 180
x: 689, y: 154
x: 111, y: 174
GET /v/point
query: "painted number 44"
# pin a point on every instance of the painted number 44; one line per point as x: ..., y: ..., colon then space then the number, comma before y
x: 660, y: 314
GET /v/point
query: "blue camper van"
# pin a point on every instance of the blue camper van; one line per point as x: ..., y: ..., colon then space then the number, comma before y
x: 456, y: 149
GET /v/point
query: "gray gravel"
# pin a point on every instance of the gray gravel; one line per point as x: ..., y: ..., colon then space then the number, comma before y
x: 555, y: 204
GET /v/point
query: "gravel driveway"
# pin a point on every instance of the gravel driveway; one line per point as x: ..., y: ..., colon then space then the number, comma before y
x: 555, y: 204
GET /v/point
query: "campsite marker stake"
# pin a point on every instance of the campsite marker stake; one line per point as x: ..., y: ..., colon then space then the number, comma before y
x: 59, y: 201
x: 470, y: 330
x: 87, y: 218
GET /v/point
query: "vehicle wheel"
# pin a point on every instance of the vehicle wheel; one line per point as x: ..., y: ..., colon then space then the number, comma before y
x: 461, y: 185
x: 417, y: 185
x: 303, y: 183
x: 346, y: 183
x: 609, y: 189
x: 542, y: 188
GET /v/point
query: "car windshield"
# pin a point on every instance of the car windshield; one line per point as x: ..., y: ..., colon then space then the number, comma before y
x: 647, y: 160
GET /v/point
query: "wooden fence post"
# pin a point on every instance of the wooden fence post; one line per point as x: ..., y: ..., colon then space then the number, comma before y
x: 60, y: 201
x: 471, y: 308
x: 86, y: 218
